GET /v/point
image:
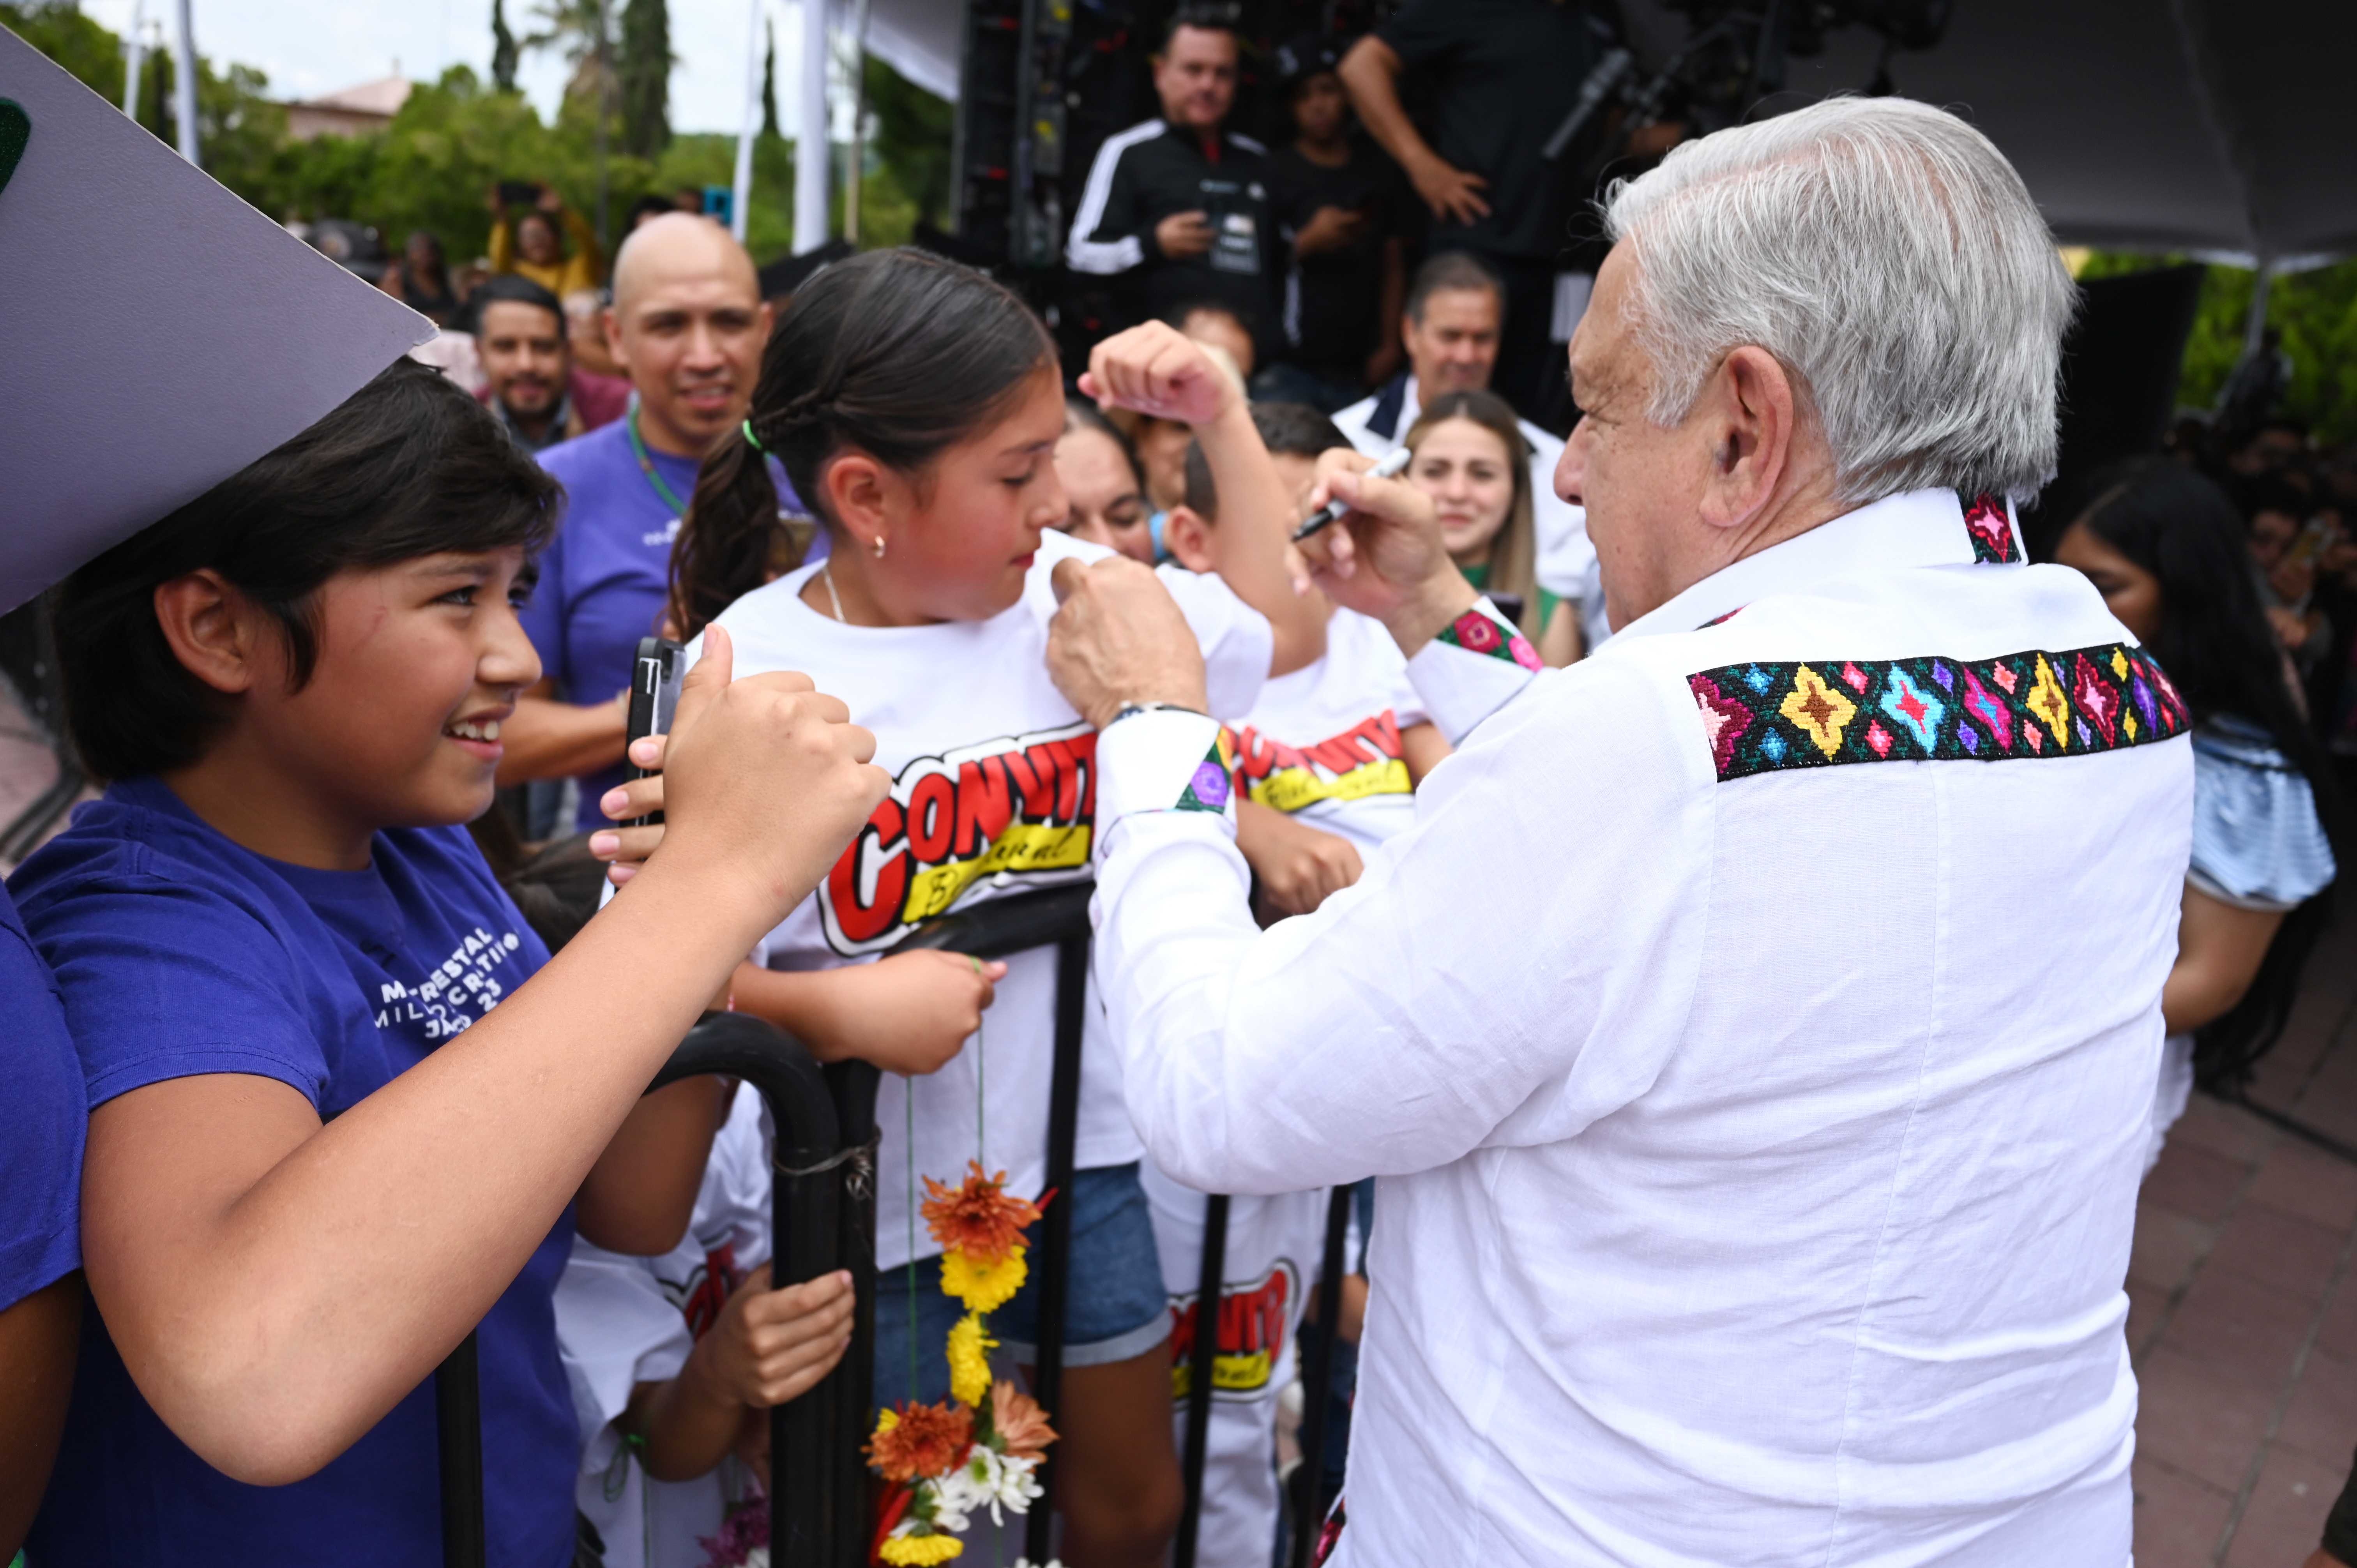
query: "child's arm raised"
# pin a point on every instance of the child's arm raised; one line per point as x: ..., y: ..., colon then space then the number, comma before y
x: 275, y: 1286
x: 1156, y: 369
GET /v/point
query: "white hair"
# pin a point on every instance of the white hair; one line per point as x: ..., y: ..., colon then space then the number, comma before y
x: 1889, y: 258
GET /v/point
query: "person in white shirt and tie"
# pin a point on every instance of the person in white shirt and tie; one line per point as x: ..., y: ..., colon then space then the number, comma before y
x: 1755, y: 1035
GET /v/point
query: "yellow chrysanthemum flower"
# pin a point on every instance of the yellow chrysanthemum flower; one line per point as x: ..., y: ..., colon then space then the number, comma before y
x: 970, y: 1350
x: 983, y: 1287
x: 886, y: 1419
x: 921, y: 1549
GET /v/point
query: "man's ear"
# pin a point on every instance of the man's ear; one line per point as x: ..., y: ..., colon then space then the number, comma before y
x: 1189, y: 539
x: 612, y: 328
x: 215, y: 631
x: 1749, y: 411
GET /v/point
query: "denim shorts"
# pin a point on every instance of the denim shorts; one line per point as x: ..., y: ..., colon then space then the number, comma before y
x: 1115, y: 1307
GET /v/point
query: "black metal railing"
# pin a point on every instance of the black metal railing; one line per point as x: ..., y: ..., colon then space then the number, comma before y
x: 822, y: 1217
x: 1000, y: 928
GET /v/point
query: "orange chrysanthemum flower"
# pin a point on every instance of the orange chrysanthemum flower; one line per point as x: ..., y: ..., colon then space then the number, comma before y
x: 978, y: 1218
x: 1019, y: 1422
x: 920, y: 1441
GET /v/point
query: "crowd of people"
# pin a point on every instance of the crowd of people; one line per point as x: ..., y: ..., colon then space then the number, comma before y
x: 357, y: 1082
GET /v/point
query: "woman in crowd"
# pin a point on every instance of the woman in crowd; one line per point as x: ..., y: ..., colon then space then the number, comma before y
x: 536, y: 248
x: 2163, y: 546
x: 317, y: 1158
x: 420, y: 279
x: 1471, y: 458
x: 1103, y: 483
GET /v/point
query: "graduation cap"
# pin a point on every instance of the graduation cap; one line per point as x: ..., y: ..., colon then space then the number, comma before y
x: 156, y: 334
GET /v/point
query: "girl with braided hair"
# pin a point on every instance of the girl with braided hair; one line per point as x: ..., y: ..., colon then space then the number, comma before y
x: 916, y: 407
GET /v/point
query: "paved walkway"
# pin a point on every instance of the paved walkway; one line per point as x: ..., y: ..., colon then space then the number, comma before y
x: 2243, y: 1317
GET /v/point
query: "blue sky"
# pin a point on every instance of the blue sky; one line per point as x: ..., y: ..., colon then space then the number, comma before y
x: 311, y: 47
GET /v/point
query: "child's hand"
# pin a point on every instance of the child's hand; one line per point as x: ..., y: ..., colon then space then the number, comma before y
x: 1298, y: 867
x: 766, y: 780
x: 1156, y: 369
x: 908, y: 1013
x: 772, y: 1345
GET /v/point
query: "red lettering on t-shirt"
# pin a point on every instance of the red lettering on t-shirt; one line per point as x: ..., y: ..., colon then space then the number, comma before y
x: 933, y: 817
x: 864, y: 922
x: 984, y: 805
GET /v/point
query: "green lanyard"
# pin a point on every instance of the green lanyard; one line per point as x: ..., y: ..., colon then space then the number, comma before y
x: 647, y: 467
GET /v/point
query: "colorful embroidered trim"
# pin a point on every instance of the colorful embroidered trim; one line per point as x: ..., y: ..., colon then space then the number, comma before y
x: 1208, y: 789
x: 1476, y: 632
x: 1991, y: 526
x: 1761, y: 717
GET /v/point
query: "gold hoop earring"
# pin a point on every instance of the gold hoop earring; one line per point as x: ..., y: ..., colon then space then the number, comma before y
x: 880, y: 547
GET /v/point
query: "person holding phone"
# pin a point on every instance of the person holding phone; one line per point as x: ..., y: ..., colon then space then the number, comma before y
x: 345, y: 1109
x: 535, y: 249
x: 1341, y: 209
x: 1176, y: 210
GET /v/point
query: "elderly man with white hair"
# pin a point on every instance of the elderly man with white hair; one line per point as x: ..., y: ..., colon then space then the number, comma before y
x: 1755, y: 1035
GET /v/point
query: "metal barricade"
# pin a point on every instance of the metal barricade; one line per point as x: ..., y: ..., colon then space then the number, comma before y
x: 817, y: 1484
x: 999, y: 927
x: 822, y: 1217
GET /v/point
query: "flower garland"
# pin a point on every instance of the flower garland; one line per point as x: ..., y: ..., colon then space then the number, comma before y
x: 979, y: 1448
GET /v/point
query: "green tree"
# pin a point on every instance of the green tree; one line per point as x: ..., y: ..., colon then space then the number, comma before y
x: 2316, y: 311
x: 504, y: 54
x: 60, y: 30
x: 910, y: 153
x: 769, y: 81
x: 644, y: 73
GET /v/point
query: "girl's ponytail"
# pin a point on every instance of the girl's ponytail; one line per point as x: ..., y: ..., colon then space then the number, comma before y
x: 729, y: 538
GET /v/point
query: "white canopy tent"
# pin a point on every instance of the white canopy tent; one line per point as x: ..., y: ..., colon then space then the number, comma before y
x: 2214, y: 127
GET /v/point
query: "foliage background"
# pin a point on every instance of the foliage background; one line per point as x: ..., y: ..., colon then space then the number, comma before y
x: 433, y: 166
x: 2315, y: 310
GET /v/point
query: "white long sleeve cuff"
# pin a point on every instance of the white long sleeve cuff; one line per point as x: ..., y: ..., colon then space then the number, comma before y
x: 1476, y: 665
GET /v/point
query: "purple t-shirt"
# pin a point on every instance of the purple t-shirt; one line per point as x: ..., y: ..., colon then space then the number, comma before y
x: 40, y: 1157
x: 604, y: 580
x: 178, y: 952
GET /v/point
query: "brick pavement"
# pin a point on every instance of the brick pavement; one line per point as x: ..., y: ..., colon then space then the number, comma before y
x: 2242, y: 1307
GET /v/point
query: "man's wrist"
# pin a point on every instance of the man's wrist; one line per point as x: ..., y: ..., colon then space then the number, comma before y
x: 1431, y: 609
x: 1176, y: 698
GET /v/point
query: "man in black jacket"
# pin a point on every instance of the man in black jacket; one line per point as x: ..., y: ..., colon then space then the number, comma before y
x: 1177, y: 208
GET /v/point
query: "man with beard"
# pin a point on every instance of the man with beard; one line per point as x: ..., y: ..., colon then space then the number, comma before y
x: 529, y: 375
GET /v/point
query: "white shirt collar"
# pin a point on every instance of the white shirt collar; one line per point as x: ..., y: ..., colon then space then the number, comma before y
x: 1920, y: 528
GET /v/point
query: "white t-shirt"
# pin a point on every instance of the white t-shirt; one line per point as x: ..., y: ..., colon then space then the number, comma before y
x: 1275, y: 1246
x: 623, y: 1321
x: 1323, y: 743
x: 994, y: 792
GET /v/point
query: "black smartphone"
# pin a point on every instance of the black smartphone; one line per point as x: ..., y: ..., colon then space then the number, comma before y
x: 519, y: 192
x: 655, y: 674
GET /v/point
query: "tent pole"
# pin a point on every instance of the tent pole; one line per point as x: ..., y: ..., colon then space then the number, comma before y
x: 2255, y: 327
x: 810, y: 137
x: 852, y: 169
x: 184, y: 84
x: 134, y: 54
x: 740, y: 198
